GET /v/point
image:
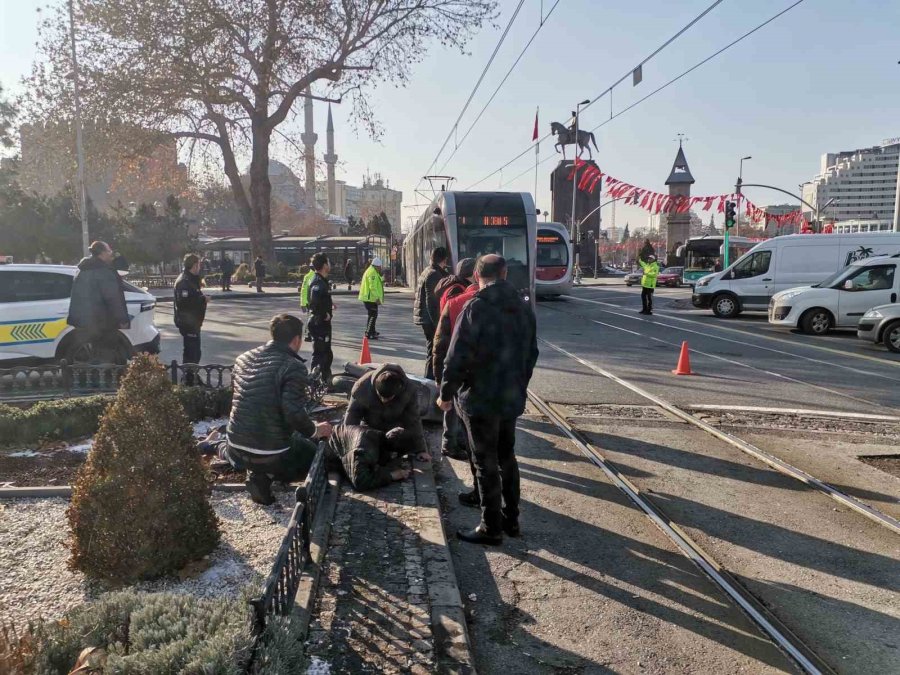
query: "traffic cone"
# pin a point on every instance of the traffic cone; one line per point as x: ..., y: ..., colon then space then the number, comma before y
x: 684, y: 361
x: 365, y: 356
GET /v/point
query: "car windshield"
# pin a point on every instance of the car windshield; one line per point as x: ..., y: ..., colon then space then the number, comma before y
x: 671, y: 270
x: 837, y: 277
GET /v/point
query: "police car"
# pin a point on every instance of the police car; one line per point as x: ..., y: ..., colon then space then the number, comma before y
x: 34, y: 305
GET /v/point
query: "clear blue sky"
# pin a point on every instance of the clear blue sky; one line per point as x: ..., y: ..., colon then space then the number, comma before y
x: 824, y: 77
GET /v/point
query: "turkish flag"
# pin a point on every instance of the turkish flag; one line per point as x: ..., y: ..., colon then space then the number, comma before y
x: 534, y: 136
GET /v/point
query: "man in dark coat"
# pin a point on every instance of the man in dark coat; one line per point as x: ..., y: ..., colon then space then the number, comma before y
x: 426, y: 310
x: 365, y: 455
x: 489, y: 364
x: 385, y: 399
x: 348, y: 274
x: 259, y: 269
x: 269, y: 431
x: 321, y: 309
x: 226, y: 268
x: 190, y: 310
x: 97, y: 306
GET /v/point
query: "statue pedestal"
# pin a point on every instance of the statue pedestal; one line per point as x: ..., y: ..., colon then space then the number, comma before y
x: 585, y: 202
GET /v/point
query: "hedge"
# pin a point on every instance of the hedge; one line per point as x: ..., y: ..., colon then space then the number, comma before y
x: 140, y: 633
x: 71, y: 418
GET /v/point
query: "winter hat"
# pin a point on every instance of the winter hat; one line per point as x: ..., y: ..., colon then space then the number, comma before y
x: 376, y: 261
x: 465, y: 268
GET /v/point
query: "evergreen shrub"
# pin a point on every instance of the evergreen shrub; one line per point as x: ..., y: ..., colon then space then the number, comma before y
x: 140, y: 503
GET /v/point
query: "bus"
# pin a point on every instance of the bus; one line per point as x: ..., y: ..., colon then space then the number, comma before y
x: 705, y: 255
x: 553, y: 270
x: 471, y: 224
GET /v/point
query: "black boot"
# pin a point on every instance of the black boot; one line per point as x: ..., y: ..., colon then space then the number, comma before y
x: 470, y: 498
x: 511, y: 527
x: 480, y: 536
x: 259, y: 485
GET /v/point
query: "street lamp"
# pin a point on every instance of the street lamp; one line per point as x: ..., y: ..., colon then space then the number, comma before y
x: 575, y: 226
x: 740, y: 181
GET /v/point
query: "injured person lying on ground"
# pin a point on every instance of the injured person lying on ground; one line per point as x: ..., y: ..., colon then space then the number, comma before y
x: 369, y: 458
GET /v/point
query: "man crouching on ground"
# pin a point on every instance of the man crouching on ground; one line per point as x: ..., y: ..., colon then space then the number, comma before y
x: 385, y: 399
x: 269, y: 432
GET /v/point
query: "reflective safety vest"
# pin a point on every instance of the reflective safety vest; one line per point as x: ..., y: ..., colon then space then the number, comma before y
x: 371, y: 287
x: 651, y: 271
x: 304, y: 288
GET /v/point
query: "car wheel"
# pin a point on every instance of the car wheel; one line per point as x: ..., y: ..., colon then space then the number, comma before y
x: 80, y: 349
x: 816, y: 321
x: 629, y: 284
x: 891, y: 337
x: 725, y: 306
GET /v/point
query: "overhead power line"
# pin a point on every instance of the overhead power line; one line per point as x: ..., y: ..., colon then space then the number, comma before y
x: 499, y: 86
x: 475, y: 88
x: 675, y: 79
x: 612, y: 86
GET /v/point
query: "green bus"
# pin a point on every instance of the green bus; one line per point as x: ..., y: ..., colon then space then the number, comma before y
x: 705, y: 255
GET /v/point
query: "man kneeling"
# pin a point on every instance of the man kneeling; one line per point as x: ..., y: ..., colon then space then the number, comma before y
x: 269, y: 432
x: 385, y: 399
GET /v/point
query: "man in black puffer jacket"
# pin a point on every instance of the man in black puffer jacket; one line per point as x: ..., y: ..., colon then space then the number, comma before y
x: 489, y: 364
x: 426, y: 310
x: 269, y: 431
x: 97, y: 306
x: 385, y: 399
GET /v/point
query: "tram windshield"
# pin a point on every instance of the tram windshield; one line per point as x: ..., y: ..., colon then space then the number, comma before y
x: 551, y: 249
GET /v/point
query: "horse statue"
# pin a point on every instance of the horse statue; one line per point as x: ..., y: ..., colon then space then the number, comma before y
x: 565, y: 136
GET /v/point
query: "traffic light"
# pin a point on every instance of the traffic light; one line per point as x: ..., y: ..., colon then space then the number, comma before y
x: 730, y: 214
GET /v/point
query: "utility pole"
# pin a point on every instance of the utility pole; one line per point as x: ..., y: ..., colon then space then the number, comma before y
x: 576, y: 225
x: 79, y: 146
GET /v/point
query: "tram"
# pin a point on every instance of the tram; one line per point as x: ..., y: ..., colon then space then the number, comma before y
x: 472, y: 224
x: 554, y: 266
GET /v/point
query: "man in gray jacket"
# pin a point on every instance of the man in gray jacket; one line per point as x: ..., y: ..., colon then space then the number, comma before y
x: 97, y: 307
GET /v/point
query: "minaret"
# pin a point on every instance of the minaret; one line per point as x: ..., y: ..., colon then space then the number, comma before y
x: 309, y: 139
x: 678, y: 225
x: 330, y: 161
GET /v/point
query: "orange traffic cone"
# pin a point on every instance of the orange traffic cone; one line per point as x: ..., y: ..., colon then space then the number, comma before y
x: 684, y: 361
x: 365, y: 356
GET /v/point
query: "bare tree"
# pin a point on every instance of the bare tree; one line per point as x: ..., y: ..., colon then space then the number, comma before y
x: 225, y: 74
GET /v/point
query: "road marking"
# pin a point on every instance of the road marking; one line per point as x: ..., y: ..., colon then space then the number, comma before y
x: 776, y: 463
x: 797, y: 411
x: 668, y: 315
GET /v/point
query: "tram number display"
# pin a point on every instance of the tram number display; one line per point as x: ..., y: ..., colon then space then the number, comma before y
x: 491, y: 221
x: 549, y: 239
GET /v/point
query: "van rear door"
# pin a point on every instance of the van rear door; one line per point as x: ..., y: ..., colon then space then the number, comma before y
x: 871, y: 286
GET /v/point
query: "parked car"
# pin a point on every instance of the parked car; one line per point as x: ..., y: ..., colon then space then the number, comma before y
x: 670, y: 276
x: 840, y: 300
x: 605, y: 271
x: 881, y: 324
x: 34, y: 306
x: 633, y: 278
x: 786, y: 262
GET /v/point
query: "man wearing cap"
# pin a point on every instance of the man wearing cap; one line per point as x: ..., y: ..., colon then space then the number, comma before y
x: 648, y: 283
x: 371, y: 294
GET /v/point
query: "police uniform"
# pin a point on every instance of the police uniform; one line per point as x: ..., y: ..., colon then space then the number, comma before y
x: 320, y: 309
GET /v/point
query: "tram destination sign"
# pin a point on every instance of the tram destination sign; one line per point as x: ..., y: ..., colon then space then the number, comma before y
x: 492, y: 221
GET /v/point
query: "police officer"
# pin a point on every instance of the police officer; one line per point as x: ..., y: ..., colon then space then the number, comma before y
x: 321, y: 309
x: 190, y: 310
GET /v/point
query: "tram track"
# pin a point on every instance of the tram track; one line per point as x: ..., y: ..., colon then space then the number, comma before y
x: 791, y: 645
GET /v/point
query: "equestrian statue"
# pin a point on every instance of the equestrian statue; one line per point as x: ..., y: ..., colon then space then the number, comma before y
x: 566, y: 136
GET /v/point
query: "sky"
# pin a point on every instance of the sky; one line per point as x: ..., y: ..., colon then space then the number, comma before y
x: 822, y: 78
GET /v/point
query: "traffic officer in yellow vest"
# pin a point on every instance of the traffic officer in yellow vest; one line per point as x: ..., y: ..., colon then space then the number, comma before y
x: 648, y: 283
x: 304, y: 296
x: 371, y: 294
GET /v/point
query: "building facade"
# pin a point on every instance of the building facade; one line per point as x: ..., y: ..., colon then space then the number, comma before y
x: 362, y: 203
x: 862, y: 182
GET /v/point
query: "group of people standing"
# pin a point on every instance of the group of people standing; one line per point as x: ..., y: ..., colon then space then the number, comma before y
x: 481, y: 347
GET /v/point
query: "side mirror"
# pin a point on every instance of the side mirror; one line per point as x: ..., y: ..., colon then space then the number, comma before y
x: 848, y: 285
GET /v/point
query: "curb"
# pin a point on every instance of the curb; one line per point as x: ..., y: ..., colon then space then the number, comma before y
x: 452, y: 646
x: 66, y: 490
x: 309, y: 579
x: 277, y: 294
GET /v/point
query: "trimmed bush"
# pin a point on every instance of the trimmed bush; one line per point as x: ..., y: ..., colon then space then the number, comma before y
x: 71, y: 418
x: 140, y: 506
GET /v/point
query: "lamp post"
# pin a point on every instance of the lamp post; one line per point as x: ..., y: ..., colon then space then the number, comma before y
x: 79, y: 147
x: 575, y: 223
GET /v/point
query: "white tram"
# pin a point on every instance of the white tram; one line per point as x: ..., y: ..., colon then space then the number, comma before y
x: 555, y: 262
x: 472, y: 224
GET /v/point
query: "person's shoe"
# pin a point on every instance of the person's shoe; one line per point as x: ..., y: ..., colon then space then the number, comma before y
x: 455, y: 453
x: 372, y: 337
x: 377, y: 334
x: 643, y: 312
x: 470, y: 498
x: 511, y: 527
x: 260, y: 489
x: 480, y: 536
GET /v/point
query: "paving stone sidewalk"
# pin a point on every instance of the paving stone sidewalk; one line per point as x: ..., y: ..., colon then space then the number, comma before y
x: 388, y: 601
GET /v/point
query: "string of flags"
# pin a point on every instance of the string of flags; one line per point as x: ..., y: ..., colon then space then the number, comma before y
x: 590, y: 177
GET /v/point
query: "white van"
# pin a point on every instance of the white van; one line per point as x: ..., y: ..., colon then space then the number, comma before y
x: 786, y: 262
x: 841, y: 300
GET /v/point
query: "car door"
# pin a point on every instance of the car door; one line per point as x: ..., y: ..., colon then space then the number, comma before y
x: 752, y: 279
x: 871, y: 286
x: 33, y: 310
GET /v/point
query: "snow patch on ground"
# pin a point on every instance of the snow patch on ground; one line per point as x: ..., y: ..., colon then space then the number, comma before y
x: 318, y: 666
x: 203, y: 427
x: 25, y: 453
